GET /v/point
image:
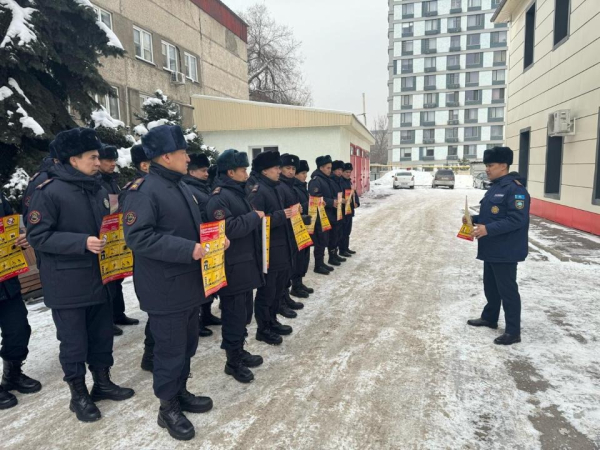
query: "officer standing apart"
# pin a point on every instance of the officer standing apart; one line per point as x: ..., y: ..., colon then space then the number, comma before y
x: 501, y: 230
x: 347, y: 226
x: 15, y: 332
x: 64, y: 221
x: 264, y: 197
x: 243, y: 260
x: 162, y: 227
x: 303, y: 256
x: 321, y: 185
x: 197, y: 181
x: 108, y: 164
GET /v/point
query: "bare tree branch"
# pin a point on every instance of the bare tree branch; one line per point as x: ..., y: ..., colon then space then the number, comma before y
x: 379, y: 151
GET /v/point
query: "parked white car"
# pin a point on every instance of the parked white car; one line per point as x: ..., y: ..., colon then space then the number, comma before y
x: 404, y: 180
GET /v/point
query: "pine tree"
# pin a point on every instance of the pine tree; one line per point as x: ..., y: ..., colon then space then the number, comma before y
x: 49, y: 60
x: 160, y: 110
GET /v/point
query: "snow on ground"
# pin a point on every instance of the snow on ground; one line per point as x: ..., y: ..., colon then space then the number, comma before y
x: 380, y: 358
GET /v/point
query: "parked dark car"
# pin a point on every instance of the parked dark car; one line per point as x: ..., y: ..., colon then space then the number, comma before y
x: 443, y: 177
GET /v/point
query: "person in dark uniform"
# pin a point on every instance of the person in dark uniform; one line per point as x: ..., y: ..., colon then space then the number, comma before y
x: 252, y: 179
x: 321, y: 185
x: 264, y: 197
x: 197, y: 181
x: 243, y: 260
x: 64, y: 219
x: 335, y: 237
x: 15, y: 332
x: 347, y: 226
x: 303, y: 257
x: 38, y: 178
x: 162, y: 223
x: 501, y: 230
x: 213, y: 172
x: 108, y: 180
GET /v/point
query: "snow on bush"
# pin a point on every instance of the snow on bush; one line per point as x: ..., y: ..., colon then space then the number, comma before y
x: 5, y: 92
x: 29, y: 122
x: 17, y: 88
x: 17, y: 184
x: 124, y: 159
x: 113, y: 40
x: 101, y: 118
x: 152, y: 101
x: 19, y: 29
x: 140, y: 129
x: 157, y: 123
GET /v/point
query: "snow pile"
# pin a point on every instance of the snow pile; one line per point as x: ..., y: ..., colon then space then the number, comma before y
x: 190, y: 137
x: 152, y: 101
x: 17, y: 184
x: 157, y: 123
x: 124, y: 159
x: 17, y: 88
x: 140, y: 129
x: 159, y: 92
x: 29, y: 122
x: 113, y: 40
x: 5, y: 93
x: 101, y: 118
x: 19, y: 28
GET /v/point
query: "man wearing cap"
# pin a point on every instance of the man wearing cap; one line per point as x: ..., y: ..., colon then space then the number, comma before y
x: 303, y: 256
x: 108, y: 180
x: 501, y: 230
x: 347, y: 225
x: 15, y: 331
x: 196, y: 179
x: 243, y: 260
x: 264, y: 197
x: 289, y: 196
x: 39, y: 177
x: 162, y: 223
x: 63, y: 224
x: 321, y: 185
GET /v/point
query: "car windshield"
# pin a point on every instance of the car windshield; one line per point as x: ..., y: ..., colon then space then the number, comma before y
x: 404, y: 174
x: 445, y: 172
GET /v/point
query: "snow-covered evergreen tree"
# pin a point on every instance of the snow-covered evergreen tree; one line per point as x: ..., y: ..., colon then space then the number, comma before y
x: 49, y: 59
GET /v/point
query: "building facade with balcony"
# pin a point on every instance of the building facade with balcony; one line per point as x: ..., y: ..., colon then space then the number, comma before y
x: 182, y: 47
x: 553, y: 120
x: 446, y: 81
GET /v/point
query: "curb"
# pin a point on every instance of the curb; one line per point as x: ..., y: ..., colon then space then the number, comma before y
x: 558, y: 255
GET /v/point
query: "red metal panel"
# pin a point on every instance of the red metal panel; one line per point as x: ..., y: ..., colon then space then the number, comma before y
x: 226, y: 17
x: 567, y: 216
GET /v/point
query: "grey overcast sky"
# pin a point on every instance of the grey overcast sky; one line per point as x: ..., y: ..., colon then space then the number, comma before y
x: 344, y: 43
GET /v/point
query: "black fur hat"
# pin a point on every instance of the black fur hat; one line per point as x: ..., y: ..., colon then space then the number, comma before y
x: 162, y: 140
x: 108, y: 152
x: 323, y: 160
x: 266, y: 160
x: 348, y: 166
x: 302, y: 166
x: 337, y: 164
x: 52, y: 150
x: 500, y: 155
x: 290, y: 160
x: 138, y: 155
x: 198, y: 161
x: 75, y: 142
x: 232, y: 159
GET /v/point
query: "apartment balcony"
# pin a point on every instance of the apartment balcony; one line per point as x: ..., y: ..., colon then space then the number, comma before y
x: 495, y: 119
x: 431, y: 87
x: 427, y: 158
x: 453, y: 67
x: 475, y: 27
x: 497, y: 44
x: 408, y: 88
x: 456, y: 49
x: 473, y: 47
x: 408, y: 16
x: 406, y: 158
x: 428, y: 141
x: 454, y: 122
x: 475, y: 65
x: 452, y: 104
x: 451, y: 140
x: 498, y: 82
x: 410, y: 140
x: 474, y: 8
x: 407, y: 33
x: 407, y: 52
x: 454, y: 30
x: 497, y: 137
x: 429, y: 51
x: 430, y: 69
x: 470, y: 156
x: 472, y: 84
x: 471, y: 120
x: 430, y: 14
x: 499, y: 100
x: 472, y: 138
x: 452, y: 85
x: 430, y: 105
x: 406, y: 107
x: 427, y: 123
x: 499, y: 63
x: 406, y: 124
x: 431, y: 32
x: 455, y: 10
x: 406, y: 70
x: 473, y: 102
x: 452, y: 157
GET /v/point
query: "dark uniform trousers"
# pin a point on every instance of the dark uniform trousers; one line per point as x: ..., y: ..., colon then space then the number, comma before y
x: 15, y: 328
x: 267, y: 298
x: 301, y: 267
x: 115, y: 291
x: 321, y: 239
x: 500, y: 287
x: 346, y: 232
x: 85, y: 335
x: 237, y: 314
x: 176, y: 341
x: 336, y: 235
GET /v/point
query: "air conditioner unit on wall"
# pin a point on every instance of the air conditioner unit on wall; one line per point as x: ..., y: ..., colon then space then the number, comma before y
x: 561, y: 123
x: 177, y: 78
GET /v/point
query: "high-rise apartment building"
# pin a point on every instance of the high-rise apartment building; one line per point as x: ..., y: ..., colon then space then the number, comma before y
x: 447, y: 81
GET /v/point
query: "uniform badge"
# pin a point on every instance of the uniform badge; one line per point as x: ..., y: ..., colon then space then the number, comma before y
x: 520, y: 204
x: 34, y: 217
x: 315, y: 190
x: 106, y: 204
x: 27, y: 200
x: 495, y: 210
x: 130, y: 218
x: 219, y: 214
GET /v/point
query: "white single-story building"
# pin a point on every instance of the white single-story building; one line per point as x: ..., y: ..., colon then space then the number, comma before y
x: 256, y: 127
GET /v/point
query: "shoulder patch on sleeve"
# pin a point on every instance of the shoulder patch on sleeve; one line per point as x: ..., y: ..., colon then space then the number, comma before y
x: 34, y: 217
x: 136, y: 184
x: 219, y: 214
x: 315, y: 190
x: 127, y: 186
x: 518, y: 183
x: 34, y: 176
x: 45, y: 183
x: 217, y: 190
x: 129, y: 218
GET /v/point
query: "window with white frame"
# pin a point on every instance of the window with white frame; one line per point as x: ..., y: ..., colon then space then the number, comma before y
x: 470, y: 150
x: 406, y: 118
x: 476, y: 20
x: 473, y: 39
x: 453, y: 23
x: 104, y: 16
x: 471, y: 132
x: 500, y: 56
x: 169, y: 53
x: 429, y: 134
x: 430, y: 63
x: 471, y: 114
x: 498, y: 37
x: 432, y: 25
x: 473, y: 96
x: 406, y: 100
x: 474, y: 4
x: 407, y: 46
x: 498, y: 94
x: 142, y: 41
x: 191, y: 66
x: 498, y: 75
x: 453, y: 114
x: 497, y: 130
x: 111, y: 103
x: 496, y: 113
x: 428, y: 116
x: 408, y: 9
x: 472, y: 77
x: 406, y: 152
x: 455, y: 42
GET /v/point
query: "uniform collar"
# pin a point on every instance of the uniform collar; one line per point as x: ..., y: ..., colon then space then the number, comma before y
x: 174, y: 177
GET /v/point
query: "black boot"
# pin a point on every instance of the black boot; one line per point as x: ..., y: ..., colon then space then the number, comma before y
x: 346, y: 254
x: 307, y: 289
x: 352, y: 252
x: 208, y: 319
x: 333, y: 260
x: 269, y: 337
x: 286, y: 312
x: 321, y: 269
x: 148, y: 359
x: 203, y: 331
x: 250, y: 360
x: 13, y: 379
x: 292, y: 304
x: 281, y: 329
x: 105, y: 389
x: 297, y: 291
x: 7, y: 400
x: 124, y: 320
x: 81, y: 403
x: 193, y: 403
x: 482, y: 323
x: 338, y: 257
x: 171, y: 418
x: 236, y: 368
x: 331, y: 269
x: 117, y: 331
x: 507, y: 339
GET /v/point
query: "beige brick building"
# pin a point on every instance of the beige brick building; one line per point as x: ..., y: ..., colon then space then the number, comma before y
x: 183, y: 47
x: 554, y: 85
